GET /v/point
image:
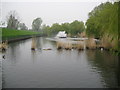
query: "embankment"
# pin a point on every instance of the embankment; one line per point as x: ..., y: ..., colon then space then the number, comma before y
x: 15, y: 35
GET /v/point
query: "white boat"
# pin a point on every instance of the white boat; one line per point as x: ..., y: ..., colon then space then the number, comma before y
x: 61, y: 34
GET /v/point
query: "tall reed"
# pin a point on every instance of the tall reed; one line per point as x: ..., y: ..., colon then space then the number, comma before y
x: 64, y: 45
x: 33, y: 46
x: 80, y: 45
x: 90, y: 43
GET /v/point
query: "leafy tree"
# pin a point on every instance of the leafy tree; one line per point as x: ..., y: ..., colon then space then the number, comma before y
x: 12, y: 20
x: 46, y: 30
x: 103, y: 23
x: 70, y: 28
x: 55, y: 28
x: 22, y: 26
x: 36, y: 24
x: 76, y: 27
x: 66, y: 27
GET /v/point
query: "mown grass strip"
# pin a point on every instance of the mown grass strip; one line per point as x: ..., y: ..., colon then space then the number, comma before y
x: 13, y: 34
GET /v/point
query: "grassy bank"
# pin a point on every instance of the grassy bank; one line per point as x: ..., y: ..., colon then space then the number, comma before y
x: 8, y: 34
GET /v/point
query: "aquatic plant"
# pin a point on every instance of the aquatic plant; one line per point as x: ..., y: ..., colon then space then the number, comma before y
x: 80, y: 45
x: 90, y: 43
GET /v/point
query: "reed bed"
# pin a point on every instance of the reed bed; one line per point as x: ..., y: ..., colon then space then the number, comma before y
x: 33, y: 45
x: 60, y: 45
x: 68, y: 45
x: 80, y: 45
x: 107, y: 43
x: 90, y: 43
x: 64, y: 45
x: 86, y: 44
x: 4, y: 45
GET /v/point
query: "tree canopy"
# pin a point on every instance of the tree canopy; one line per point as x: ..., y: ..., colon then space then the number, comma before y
x: 103, y: 23
x: 36, y: 24
x: 72, y: 28
x: 22, y: 26
x: 13, y: 20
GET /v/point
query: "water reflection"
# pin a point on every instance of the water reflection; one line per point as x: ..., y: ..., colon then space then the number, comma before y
x: 33, y: 56
x: 106, y: 65
x: 39, y: 43
x: 24, y: 68
x: 14, y: 51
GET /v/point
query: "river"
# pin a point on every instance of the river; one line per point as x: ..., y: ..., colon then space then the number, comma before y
x: 23, y: 68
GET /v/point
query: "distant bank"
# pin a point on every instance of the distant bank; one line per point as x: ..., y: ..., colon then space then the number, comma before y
x: 15, y: 35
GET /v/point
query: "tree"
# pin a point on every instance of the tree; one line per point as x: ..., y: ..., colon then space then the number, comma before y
x: 12, y: 20
x: 55, y: 28
x: 99, y: 20
x: 65, y: 27
x: 103, y: 23
x: 36, y: 24
x: 76, y: 27
x: 22, y: 26
x: 46, y: 30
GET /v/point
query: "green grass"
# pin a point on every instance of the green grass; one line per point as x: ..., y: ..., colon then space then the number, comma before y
x: 11, y: 34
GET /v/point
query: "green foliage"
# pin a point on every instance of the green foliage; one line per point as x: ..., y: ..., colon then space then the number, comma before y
x: 36, y: 24
x: 76, y: 27
x: 55, y: 28
x: 46, y: 30
x: 70, y: 28
x: 65, y: 27
x: 22, y: 26
x: 103, y: 23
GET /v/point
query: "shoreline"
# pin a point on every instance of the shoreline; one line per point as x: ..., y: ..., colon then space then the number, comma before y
x: 21, y: 38
x: 66, y: 46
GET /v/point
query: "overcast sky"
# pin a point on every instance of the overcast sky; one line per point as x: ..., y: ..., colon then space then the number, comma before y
x: 51, y: 11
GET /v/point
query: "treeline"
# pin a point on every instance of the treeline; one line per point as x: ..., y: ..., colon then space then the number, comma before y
x: 103, y: 24
x: 13, y: 22
x: 72, y: 29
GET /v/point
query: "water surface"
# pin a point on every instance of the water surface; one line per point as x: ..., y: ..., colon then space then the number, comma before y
x: 23, y: 68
